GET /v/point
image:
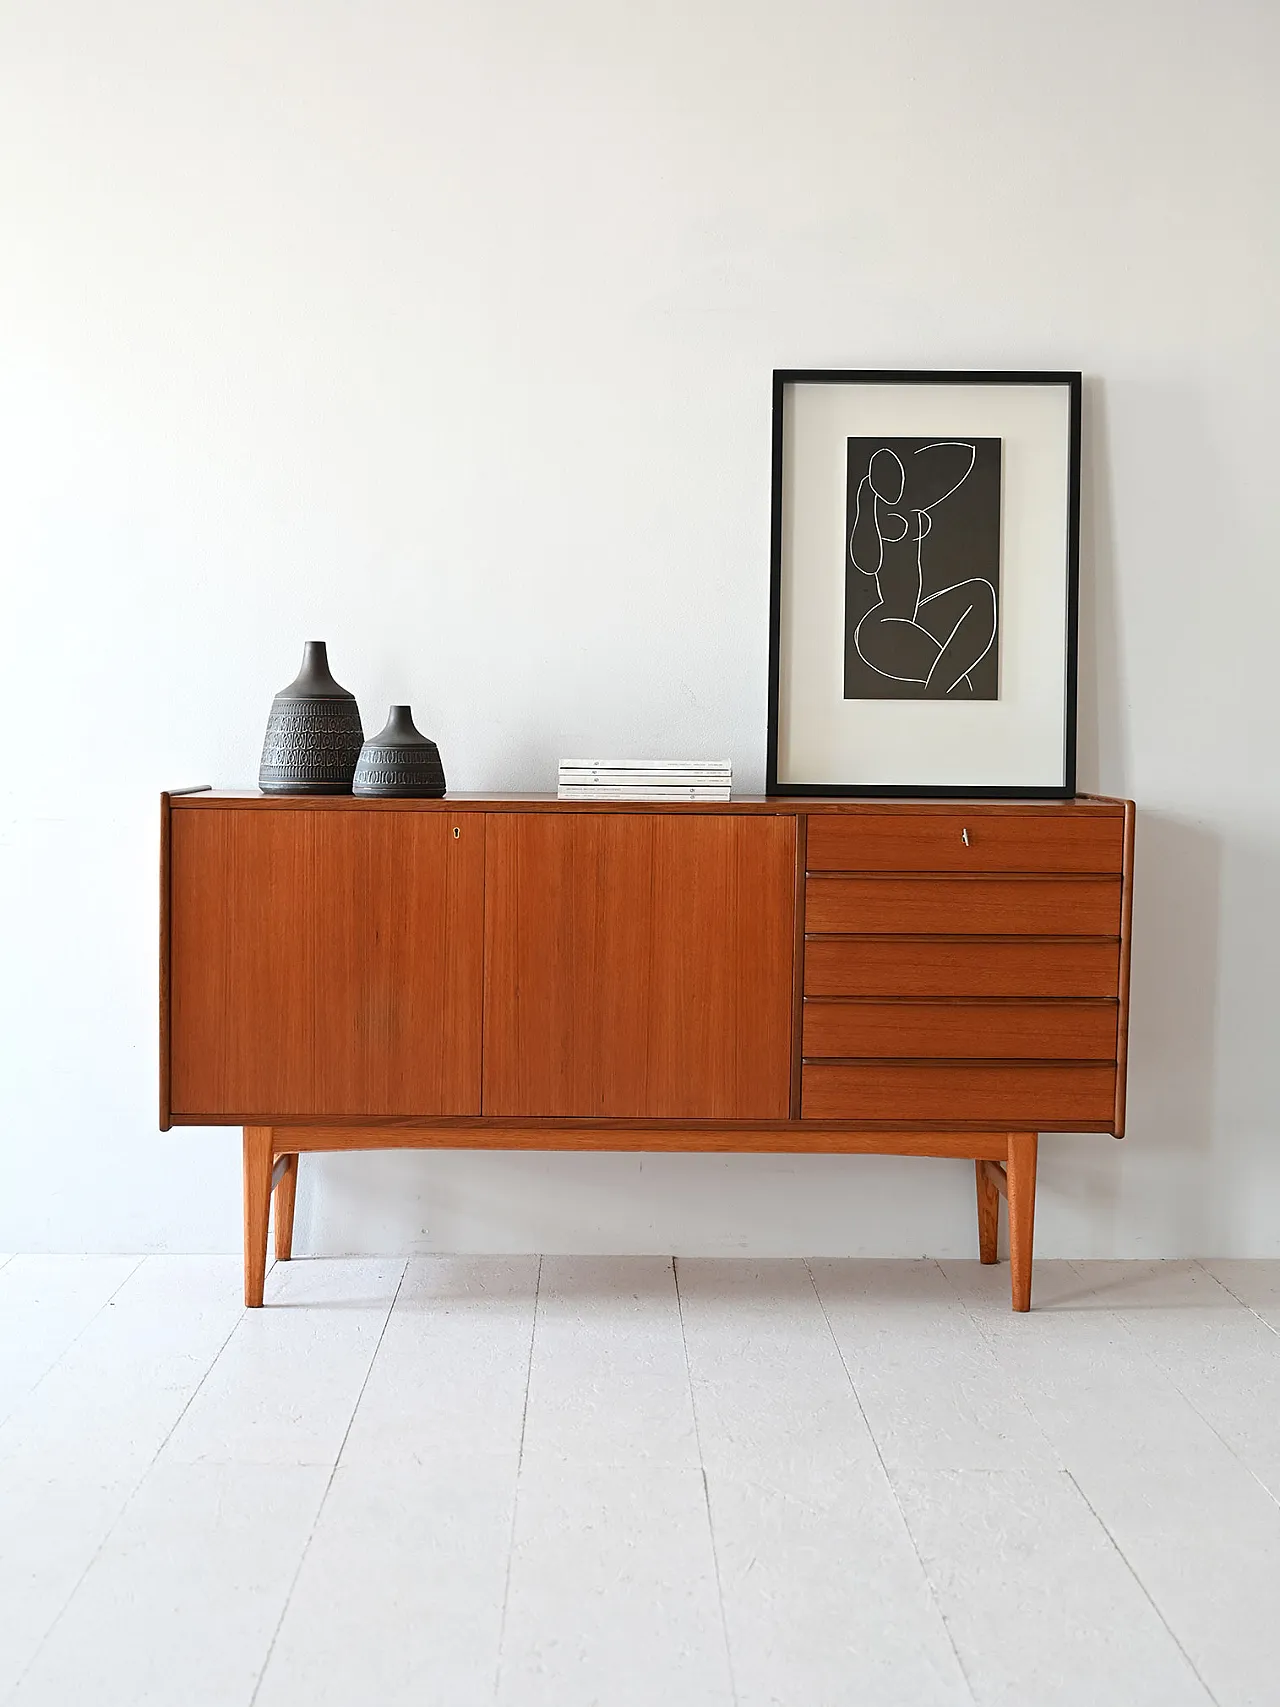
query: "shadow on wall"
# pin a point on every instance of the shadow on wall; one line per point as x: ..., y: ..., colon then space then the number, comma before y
x: 1153, y: 1191
x: 1173, y: 1028
x: 1151, y: 1194
x: 1246, y: 1160
x: 1081, y: 1179
x: 559, y: 1202
x: 1102, y: 734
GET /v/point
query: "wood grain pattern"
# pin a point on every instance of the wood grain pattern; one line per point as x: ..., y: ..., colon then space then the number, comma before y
x: 1046, y: 1095
x: 994, y: 1172
x: 326, y: 963
x: 988, y: 1213
x: 286, y: 1196
x: 638, y: 966
x: 1020, y: 1175
x: 1126, y: 934
x: 491, y: 1132
x: 814, y: 1137
x: 257, y: 1158
x: 1027, y: 841
x: 797, y: 970
x: 954, y: 1030
x: 750, y: 805
x: 994, y: 906
x: 166, y: 1101
x: 957, y: 976
x: 961, y: 966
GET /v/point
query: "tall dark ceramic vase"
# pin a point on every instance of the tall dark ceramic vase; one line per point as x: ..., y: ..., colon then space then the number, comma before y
x: 313, y: 733
x: 400, y: 763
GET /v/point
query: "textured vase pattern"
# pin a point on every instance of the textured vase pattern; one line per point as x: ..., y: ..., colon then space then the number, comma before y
x: 400, y: 763
x: 314, y: 733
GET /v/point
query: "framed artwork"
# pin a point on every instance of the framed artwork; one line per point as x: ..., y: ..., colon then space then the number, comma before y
x: 924, y: 584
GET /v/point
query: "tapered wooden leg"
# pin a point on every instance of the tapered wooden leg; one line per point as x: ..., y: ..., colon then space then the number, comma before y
x: 1022, y: 1213
x: 257, y: 1210
x: 286, y: 1192
x: 988, y: 1214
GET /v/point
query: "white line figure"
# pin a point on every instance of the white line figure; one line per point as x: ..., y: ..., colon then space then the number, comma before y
x: 935, y: 641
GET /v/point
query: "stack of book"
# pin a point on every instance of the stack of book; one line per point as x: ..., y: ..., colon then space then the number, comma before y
x: 645, y: 779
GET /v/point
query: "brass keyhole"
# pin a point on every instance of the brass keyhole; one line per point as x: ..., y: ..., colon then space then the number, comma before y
x: 456, y: 832
x: 964, y: 836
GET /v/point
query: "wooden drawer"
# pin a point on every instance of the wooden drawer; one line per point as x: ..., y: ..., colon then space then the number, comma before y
x: 959, y: 966
x: 1012, y: 906
x: 1038, y: 1095
x: 948, y: 1031
x: 917, y: 841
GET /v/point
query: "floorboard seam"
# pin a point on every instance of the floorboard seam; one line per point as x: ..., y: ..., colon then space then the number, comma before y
x: 515, y: 1494
x: 337, y: 1459
x: 1187, y: 1400
x: 996, y: 1352
x: 706, y: 1489
x: 1242, y: 1302
x: 893, y: 1492
x: 71, y: 1343
x: 1142, y: 1587
x: 133, y: 1491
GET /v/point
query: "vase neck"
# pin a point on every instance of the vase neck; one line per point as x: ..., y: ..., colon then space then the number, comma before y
x: 315, y: 679
x: 315, y: 661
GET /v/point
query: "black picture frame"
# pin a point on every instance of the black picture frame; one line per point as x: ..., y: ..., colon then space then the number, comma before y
x: 783, y: 378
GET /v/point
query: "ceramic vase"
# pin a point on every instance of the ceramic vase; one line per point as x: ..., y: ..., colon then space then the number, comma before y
x: 400, y: 763
x: 313, y: 733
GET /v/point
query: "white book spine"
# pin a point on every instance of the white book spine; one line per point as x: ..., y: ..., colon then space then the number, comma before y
x: 609, y: 770
x: 721, y: 767
x: 667, y: 779
x: 569, y: 791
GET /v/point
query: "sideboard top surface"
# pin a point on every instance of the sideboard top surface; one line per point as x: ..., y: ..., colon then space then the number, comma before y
x: 1091, y: 805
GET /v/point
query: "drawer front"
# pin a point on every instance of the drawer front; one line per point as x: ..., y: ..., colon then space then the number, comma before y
x: 997, y: 906
x: 942, y: 966
x: 1024, y: 841
x: 949, y: 1031
x: 1043, y: 1096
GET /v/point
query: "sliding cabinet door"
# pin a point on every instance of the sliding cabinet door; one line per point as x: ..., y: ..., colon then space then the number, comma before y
x: 638, y: 965
x: 325, y: 962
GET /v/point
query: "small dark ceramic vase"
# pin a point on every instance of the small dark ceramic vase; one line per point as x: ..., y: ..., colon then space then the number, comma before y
x: 313, y: 733
x: 400, y: 763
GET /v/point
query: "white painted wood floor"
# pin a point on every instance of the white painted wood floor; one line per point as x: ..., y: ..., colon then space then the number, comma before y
x: 615, y: 1482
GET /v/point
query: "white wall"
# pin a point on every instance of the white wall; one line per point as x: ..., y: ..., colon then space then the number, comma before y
x: 444, y: 331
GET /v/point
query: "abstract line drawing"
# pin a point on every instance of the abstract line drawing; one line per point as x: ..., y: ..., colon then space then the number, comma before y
x: 922, y: 569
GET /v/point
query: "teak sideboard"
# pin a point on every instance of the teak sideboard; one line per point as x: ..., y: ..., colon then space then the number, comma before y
x: 525, y: 973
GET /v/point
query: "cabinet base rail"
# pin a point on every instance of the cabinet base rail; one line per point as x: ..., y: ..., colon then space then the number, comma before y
x: 1004, y: 1163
